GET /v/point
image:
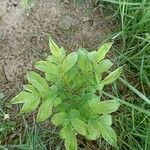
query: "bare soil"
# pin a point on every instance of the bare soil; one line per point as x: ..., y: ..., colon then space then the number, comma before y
x: 24, y: 34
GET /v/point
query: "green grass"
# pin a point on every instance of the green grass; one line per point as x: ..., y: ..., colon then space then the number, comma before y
x: 132, y: 122
x: 135, y: 35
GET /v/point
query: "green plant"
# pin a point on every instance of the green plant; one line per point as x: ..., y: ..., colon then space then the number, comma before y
x: 71, y: 93
x: 24, y: 3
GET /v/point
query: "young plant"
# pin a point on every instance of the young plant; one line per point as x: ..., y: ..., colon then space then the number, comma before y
x: 70, y: 93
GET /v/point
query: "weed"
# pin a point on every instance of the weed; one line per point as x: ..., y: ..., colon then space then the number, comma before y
x: 71, y: 92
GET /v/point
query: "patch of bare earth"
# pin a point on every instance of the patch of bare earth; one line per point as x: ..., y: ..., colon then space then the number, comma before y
x: 24, y: 34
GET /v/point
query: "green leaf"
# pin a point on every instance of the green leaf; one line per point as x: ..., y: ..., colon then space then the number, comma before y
x: 83, y: 62
x: 69, y: 61
x: 70, y: 138
x: 38, y: 82
x: 47, y: 67
x: 89, y: 96
x: 54, y: 48
x: 74, y: 113
x: 45, y: 110
x: 52, y: 59
x: 92, y: 56
x: 22, y: 97
x: 64, y: 132
x: 82, y: 59
x: 79, y: 126
x: 57, y: 101
x: 52, y: 77
x: 103, y: 66
x: 63, y: 52
x: 71, y: 74
x: 59, y: 118
x: 25, y: 3
x: 71, y: 142
x: 93, y: 132
x: 42, y: 65
x: 30, y: 105
x: 107, y: 133
x: 101, y: 52
x: 106, y: 119
x: 104, y: 107
x: 93, y: 103
x: 112, y: 76
x: 30, y: 88
x: 63, y: 106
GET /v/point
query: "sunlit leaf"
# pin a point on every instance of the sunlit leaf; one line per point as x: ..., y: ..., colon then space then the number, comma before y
x: 30, y: 88
x: 101, y: 52
x: 69, y: 61
x: 57, y: 101
x: 112, y: 76
x: 30, y: 105
x: 92, y: 56
x: 104, y: 107
x: 79, y: 126
x: 74, y: 113
x: 107, y: 133
x: 93, y: 132
x: 45, y: 110
x: 59, y: 118
x: 52, y: 59
x: 103, y: 66
x: 54, y: 48
x: 22, y: 97
x: 47, y: 67
x: 69, y: 136
x: 106, y: 119
x: 37, y: 81
x: 82, y: 59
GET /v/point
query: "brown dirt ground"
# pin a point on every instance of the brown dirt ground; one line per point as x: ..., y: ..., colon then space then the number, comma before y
x: 24, y: 34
